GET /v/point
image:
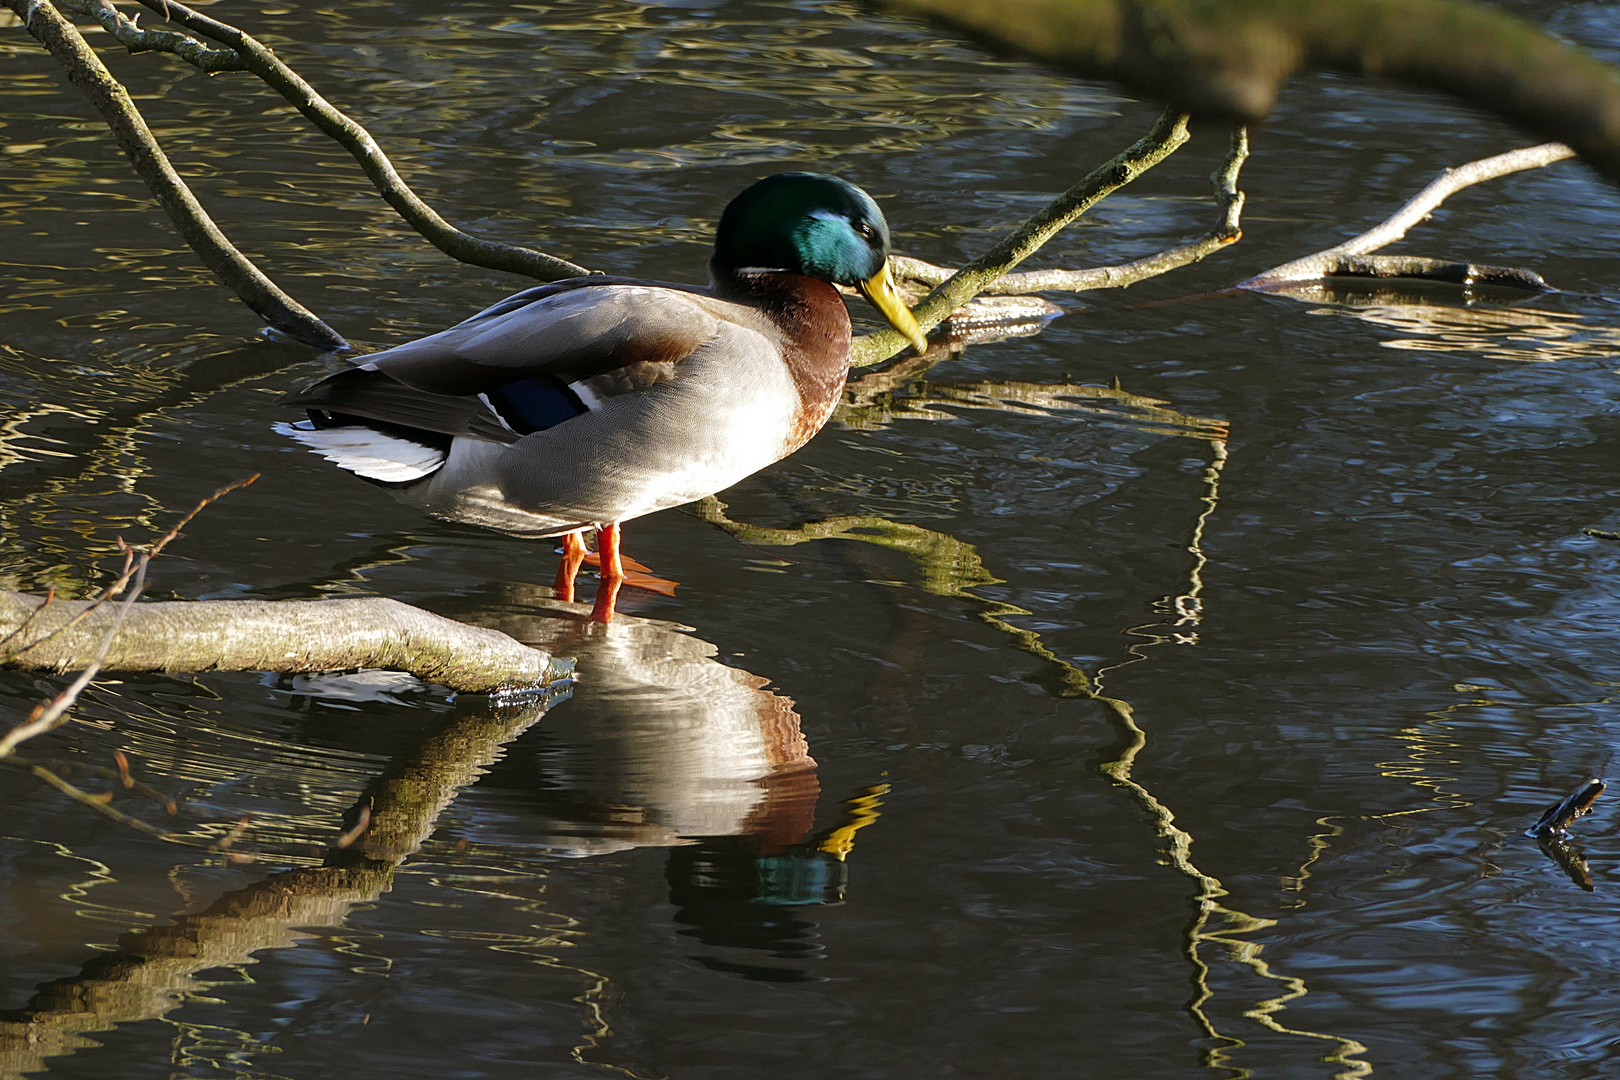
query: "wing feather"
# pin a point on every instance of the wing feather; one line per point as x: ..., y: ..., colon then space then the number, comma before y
x: 599, y: 337
x: 571, y: 335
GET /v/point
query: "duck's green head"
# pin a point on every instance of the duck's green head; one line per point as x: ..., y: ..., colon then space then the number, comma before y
x: 821, y: 226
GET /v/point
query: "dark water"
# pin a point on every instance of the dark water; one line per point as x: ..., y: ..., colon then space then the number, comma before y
x: 1097, y: 746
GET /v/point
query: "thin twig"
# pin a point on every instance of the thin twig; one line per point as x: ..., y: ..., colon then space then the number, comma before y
x: 53, y: 713
x: 207, y: 500
x: 1328, y: 262
x: 1228, y: 230
x: 124, y: 576
x: 1168, y: 133
x: 258, y: 59
x: 94, y: 605
x: 87, y: 72
x: 102, y: 806
x: 50, y: 598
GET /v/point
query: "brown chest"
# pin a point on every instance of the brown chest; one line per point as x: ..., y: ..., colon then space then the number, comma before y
x: 815, y: 329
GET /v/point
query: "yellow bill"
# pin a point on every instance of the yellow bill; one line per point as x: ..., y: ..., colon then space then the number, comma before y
x: 881, y: 294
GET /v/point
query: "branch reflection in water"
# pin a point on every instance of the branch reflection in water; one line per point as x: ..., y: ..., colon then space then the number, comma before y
x: 1486, y: 322
x: 954, y: 569
x: 75, y: 444
x: 153, y: 971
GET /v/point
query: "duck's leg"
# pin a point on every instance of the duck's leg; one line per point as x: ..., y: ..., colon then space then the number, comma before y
x: 612, y: 571
x: 573, y: 556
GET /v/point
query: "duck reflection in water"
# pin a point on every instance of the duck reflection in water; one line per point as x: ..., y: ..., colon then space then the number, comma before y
x: 663, y: 746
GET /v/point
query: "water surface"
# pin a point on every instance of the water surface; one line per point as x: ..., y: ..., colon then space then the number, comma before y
x: 1093, y: 737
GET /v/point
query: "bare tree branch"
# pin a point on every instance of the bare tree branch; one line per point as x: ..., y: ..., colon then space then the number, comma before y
x: 52, y: 713
x: 1347, y: 258
x: 288, y: 636
x: 261, y: 61
x: 1167, y: 134
x: 86, y: 71
x: 1417, y: 266
x: 1227, y: 230
x: 137, y: 40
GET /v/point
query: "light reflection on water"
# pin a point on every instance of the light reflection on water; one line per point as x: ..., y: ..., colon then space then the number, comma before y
x: 1184, y: 724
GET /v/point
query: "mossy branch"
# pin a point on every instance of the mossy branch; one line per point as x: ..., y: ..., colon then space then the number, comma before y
x: 1228, y: 230
x: 1167, y: 134
x: 1230, y: 58
x: 138, y: 40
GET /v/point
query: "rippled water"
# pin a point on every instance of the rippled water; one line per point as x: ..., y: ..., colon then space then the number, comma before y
x: 1184, y: 726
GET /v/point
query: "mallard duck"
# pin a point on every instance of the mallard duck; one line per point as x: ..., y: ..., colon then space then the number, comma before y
x: 585, y: 403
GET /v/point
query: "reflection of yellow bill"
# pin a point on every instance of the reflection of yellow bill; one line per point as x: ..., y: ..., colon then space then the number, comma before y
x: 863, y: 810
x: 881, y: 294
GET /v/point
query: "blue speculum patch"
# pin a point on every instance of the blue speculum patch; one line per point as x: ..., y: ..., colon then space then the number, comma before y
x: 531, y: 405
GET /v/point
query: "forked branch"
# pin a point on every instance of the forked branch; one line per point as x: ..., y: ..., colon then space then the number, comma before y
x: 1352, y: 257
x: 138, y: 39
x: 242, y: 52
x: 1227, y: 230
x: 1167, y: 134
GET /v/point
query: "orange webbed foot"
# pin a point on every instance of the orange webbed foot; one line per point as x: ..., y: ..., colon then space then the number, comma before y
x: 611, y: 564
x: 637, y: 574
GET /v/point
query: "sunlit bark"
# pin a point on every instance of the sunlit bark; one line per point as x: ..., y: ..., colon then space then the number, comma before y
x: 1352, y: 258
x: 1169, y: 133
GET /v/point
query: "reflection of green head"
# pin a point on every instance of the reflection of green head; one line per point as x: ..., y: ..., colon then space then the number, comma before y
x: 805, y: 223
x: 798, y: 876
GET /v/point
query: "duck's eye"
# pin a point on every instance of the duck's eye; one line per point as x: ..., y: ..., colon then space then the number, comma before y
x: 865, y: 231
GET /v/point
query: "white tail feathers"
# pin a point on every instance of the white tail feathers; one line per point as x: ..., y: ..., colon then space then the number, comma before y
x: 367, y: 453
